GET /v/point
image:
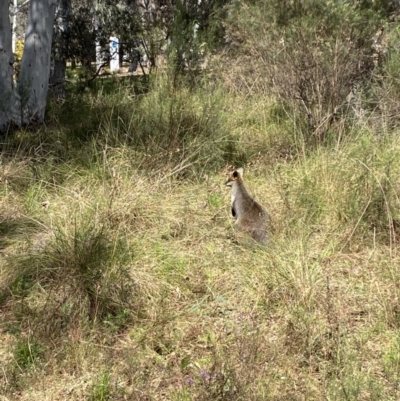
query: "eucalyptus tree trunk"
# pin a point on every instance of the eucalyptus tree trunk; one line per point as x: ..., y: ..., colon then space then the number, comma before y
x: 35, y: 64
x: 60, y: 49
x: 26, y: 103
x: 7, y: 94
x: 99, y: 60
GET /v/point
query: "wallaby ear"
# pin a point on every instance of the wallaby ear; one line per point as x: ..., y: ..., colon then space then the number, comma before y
x: 240, y: 171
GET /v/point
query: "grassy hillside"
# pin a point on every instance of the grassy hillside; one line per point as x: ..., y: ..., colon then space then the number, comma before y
x: 121, y: 277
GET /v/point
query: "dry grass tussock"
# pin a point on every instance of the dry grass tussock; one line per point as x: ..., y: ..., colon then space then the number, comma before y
x: 117, y: 283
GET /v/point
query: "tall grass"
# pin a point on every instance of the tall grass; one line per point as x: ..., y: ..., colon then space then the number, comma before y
x: 120, y: 278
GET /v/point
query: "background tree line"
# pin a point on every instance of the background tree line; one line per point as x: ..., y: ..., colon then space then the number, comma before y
x: 299, y: 38
x: 68, y: 31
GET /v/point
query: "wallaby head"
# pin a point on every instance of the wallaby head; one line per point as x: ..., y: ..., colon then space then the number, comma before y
x: 235, y: 176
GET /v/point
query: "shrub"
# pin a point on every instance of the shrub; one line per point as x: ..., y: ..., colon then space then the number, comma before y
x: 310, y: 54
x: 384, y: 96
x: 83, y: 271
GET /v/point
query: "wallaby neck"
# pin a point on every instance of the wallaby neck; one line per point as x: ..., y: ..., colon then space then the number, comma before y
x: 239, y: 191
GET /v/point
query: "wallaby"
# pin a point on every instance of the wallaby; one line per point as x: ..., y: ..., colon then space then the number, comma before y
x: 250, y: 216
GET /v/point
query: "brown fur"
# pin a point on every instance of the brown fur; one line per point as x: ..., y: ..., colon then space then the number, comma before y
x: 250, y: 216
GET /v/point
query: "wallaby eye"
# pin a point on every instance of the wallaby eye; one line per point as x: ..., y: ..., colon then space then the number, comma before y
x: 235, y: 174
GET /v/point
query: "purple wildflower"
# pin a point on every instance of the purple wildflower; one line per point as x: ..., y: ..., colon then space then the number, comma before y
x: 205, y: 375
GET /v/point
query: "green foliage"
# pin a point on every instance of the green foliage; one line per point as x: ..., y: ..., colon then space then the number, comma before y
x: 194, y: 30
x: 22, y: 285
x: 313, y: 53
x: 182, y: 31
x: 211, y: 20
x: 392, y: 65
x: 383, y: 96
x: 27, y: 353
x: 101, y: 388
x: 386, y: 8
x: 19, y: 49
x: 391, y: 358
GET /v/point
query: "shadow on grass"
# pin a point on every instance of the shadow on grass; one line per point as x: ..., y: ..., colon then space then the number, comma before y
x: 167, y: 127
x: 12, y: 229
x: 87, y: 104
x: 15, y: 230
x: 77, y: 119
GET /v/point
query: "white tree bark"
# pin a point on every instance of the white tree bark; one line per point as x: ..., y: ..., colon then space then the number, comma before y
x: 99, y: 60
x: 35, y: 65
x: 16, y: 10
x: 14, y: 26
x: 6, y: 66
x: 26, y: 103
